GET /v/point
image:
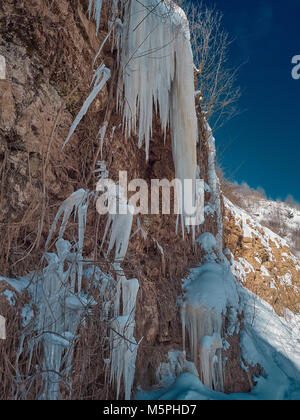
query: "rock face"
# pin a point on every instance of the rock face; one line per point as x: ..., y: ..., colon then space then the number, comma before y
x: 262, y: 260
x: 49, y: 52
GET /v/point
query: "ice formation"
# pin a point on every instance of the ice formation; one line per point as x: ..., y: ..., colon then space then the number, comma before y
x: 2, y: 68
x: 177, y: 364
x: 2, y: 328
x: 101, y: 76
x: 119, y: 224
x: 156, y: 71
x: 122, y: 342
x: 78, y: 203
x: 214, y: 184
x: 210, y: 292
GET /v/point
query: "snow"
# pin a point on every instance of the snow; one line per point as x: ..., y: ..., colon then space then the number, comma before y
x: 264, y: 211
x: 2, y: 68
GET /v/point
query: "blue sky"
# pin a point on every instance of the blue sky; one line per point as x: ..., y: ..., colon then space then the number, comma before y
x: 262, y: 144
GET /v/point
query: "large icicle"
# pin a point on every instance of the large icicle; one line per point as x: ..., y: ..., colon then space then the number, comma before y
x: 101, y: 76
x: 2, y: 68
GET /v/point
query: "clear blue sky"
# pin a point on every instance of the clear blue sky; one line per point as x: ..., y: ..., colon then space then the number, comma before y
x: 265, y: 138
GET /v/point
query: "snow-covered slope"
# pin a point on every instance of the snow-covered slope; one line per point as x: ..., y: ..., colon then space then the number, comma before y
x: 262, y: 260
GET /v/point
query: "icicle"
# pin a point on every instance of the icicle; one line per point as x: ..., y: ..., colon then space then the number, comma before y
x: 77, y: 202
x: 2, y: 68
x: 130, y: 290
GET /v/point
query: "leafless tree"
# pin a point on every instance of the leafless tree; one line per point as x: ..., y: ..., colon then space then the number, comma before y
x: 218, y: 92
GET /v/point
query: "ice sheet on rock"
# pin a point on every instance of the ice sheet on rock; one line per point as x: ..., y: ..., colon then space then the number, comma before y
x: 156, y: 66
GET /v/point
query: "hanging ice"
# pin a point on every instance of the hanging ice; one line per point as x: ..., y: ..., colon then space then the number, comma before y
x: 78, y: 203
x: 119, y: 223
x: 2, y: 328
x: 95, y: 7
x: 2, y: 68
x: 209, y: 293
x: 156, y: 70
x: 122, y: 341
x: 214, y: 184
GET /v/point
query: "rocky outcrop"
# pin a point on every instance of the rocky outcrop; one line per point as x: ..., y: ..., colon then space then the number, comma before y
x: 262, y: 260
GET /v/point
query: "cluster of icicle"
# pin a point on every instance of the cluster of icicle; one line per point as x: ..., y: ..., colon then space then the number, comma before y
x: 62, y: 305
x: 204, y: 327
x: 122, y: 341
x: 203, y: 321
